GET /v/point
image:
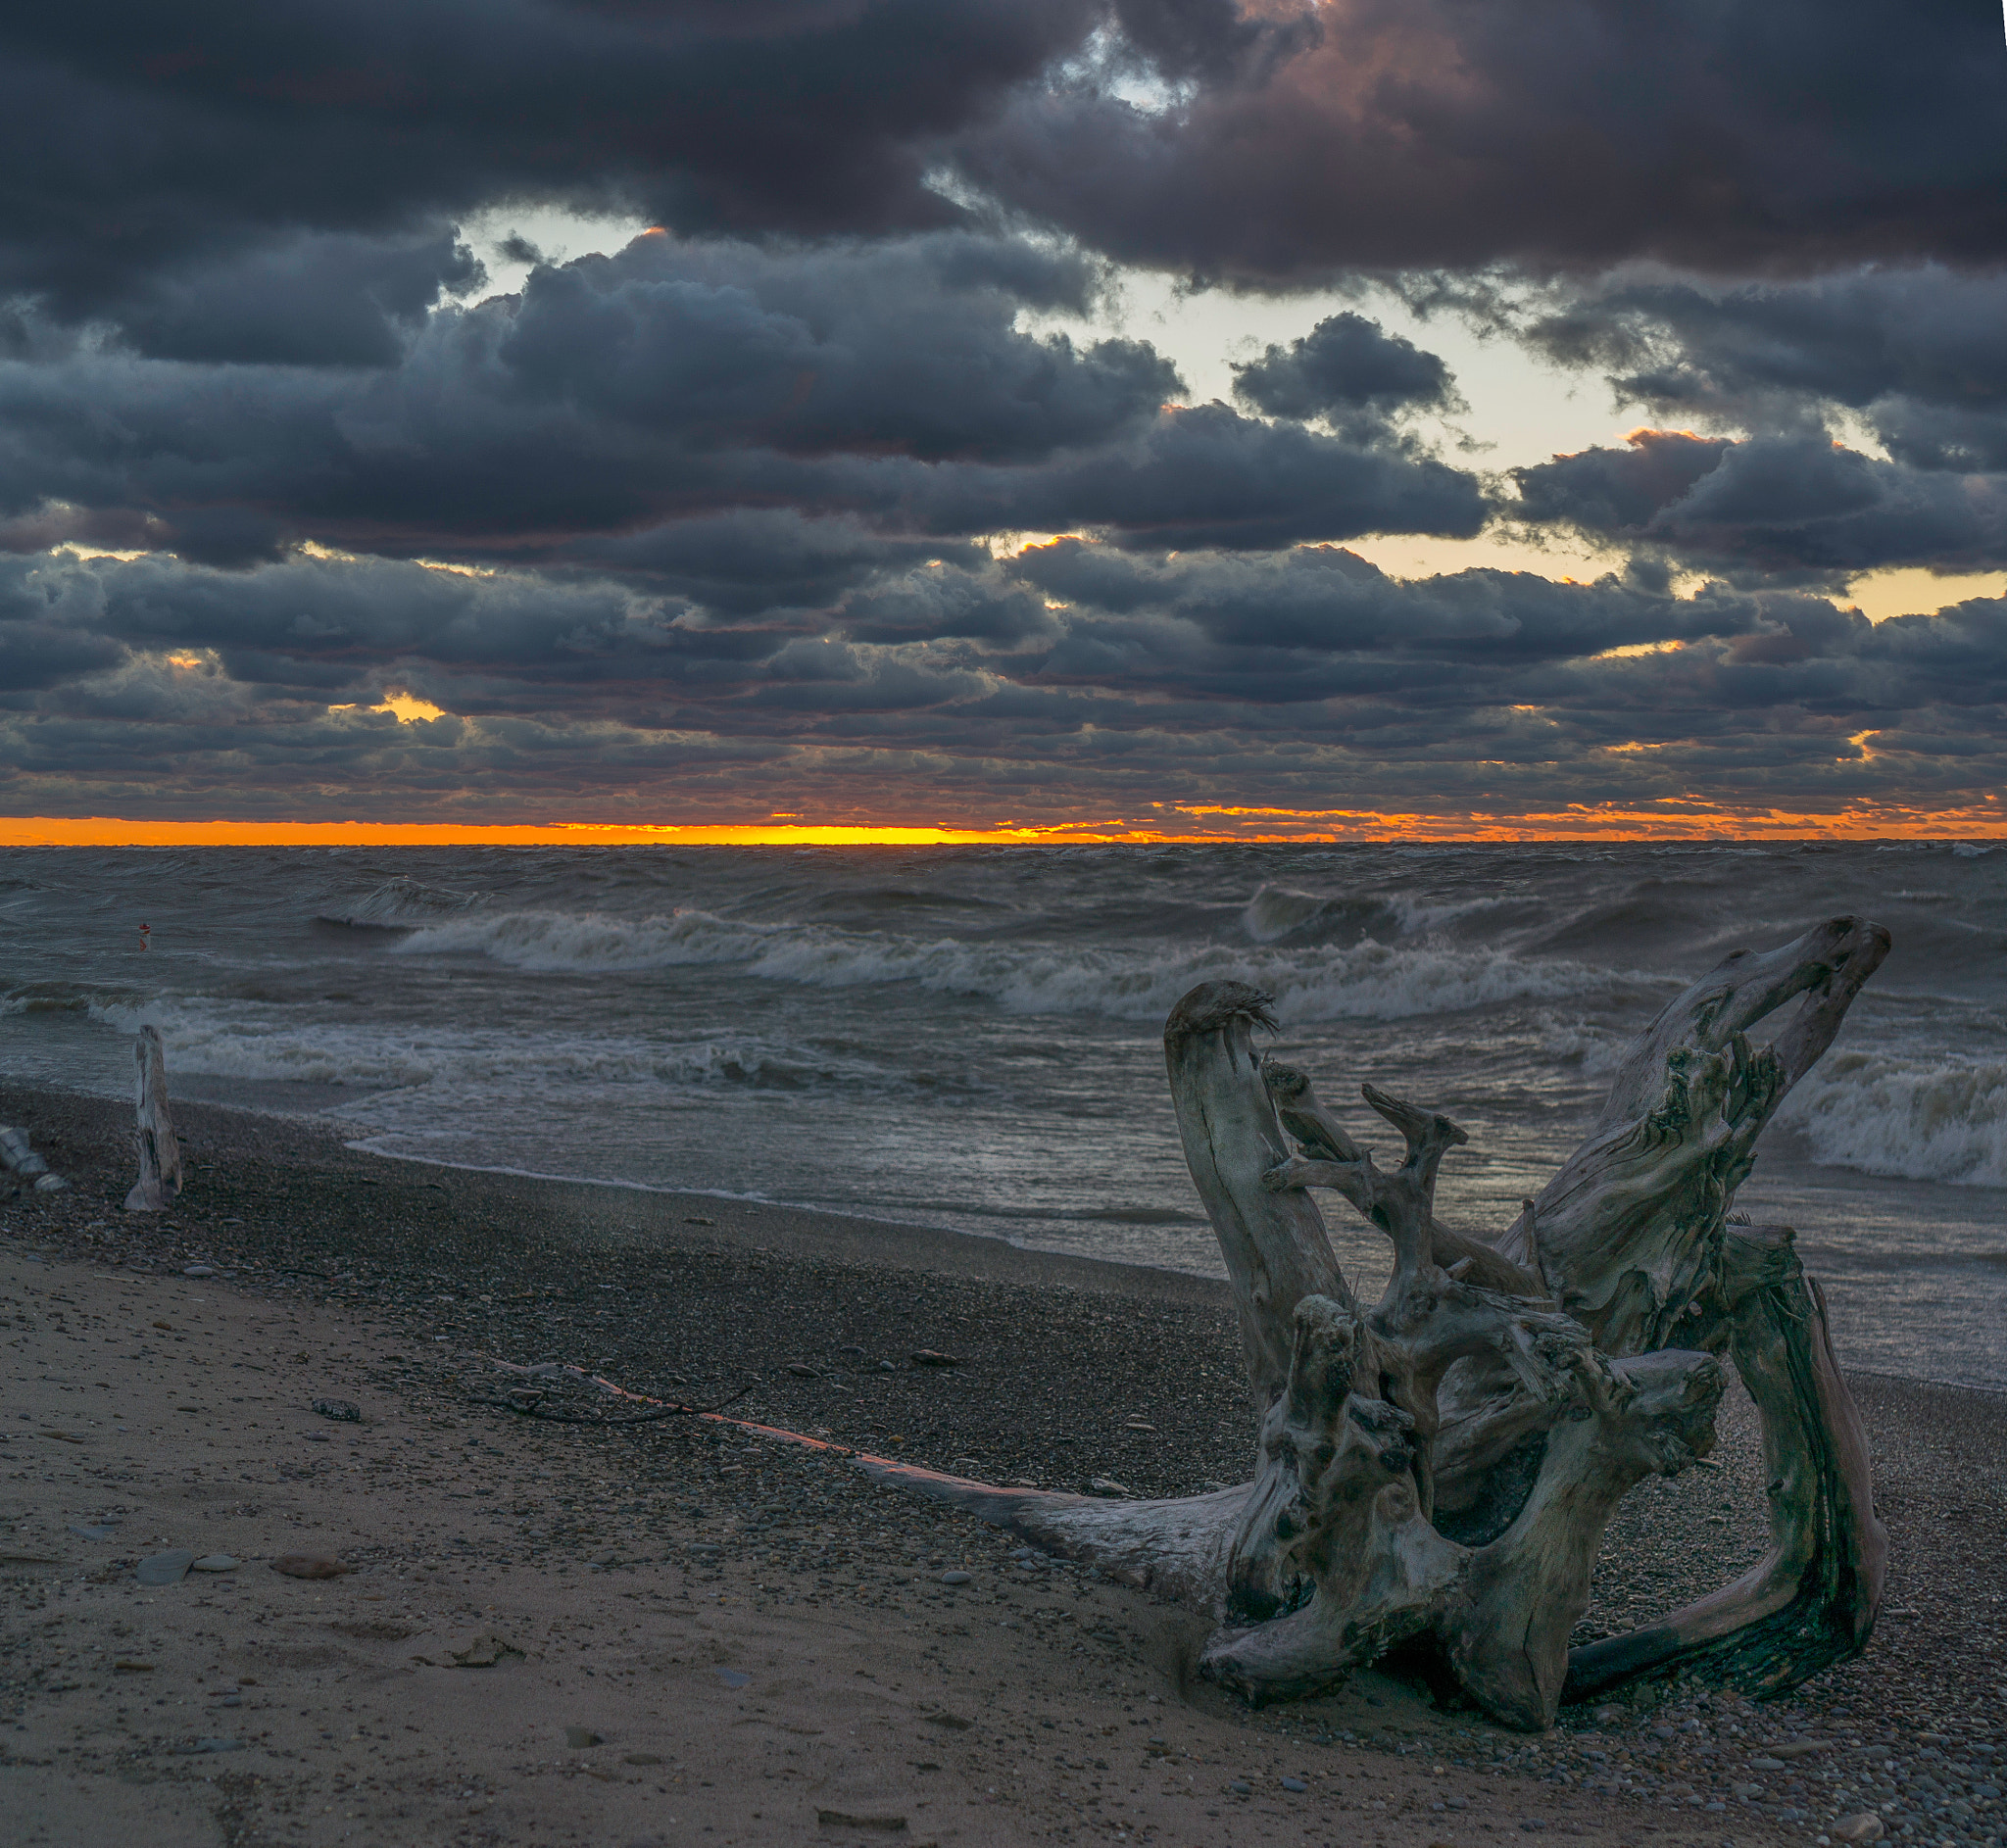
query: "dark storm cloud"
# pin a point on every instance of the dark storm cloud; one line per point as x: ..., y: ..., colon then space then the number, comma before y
x: 1424, y: 133
x: 138, y: 139
x: 1799, y: 505
x: 749, y: 561
x: 1343, y: 367
x: 888, y: 383
x: 149, y: 151
x: 304, y: 300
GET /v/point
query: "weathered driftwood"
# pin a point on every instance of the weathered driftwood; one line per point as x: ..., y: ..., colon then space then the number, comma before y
x: 159, y: 1152
x: 1440, y: 1466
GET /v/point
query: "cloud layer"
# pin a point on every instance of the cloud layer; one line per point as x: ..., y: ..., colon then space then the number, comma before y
x: 799, y: 501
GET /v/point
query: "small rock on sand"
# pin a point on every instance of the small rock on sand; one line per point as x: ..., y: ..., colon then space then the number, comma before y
x: 859, y: 1819
x: 341, y: 1409
x: 485, y: 1651
x: 214, y: 1562
x: 166, y: 1569
x: 955, y: 1579
x: 1865, y: 1827
x: 308, y: 1566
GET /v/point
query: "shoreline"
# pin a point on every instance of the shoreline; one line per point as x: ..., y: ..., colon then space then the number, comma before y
x: 818, y: 1315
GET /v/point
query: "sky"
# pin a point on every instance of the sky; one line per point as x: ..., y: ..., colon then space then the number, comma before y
x: 831, y: 420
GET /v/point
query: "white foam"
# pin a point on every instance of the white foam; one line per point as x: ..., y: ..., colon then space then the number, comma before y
x: 1914, y: 1119
x: 246, y: 1041
x: 1367, y: 980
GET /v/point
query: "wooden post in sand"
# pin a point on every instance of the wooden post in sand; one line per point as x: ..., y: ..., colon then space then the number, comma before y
x: 159, y: 1154
x: 1437, y: 1469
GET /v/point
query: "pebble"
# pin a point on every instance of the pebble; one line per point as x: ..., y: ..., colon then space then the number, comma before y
x: 166, y: 1569
x: 213, y: 1562
x: 1241, y: 1788
x: 210, y: 1745
x: 341, y: 1409
x: 306, y: 1566
x: 198, y: 1269
x: 956, y: 1579
x: 1294, y: 1783
x: 1866, y: 1827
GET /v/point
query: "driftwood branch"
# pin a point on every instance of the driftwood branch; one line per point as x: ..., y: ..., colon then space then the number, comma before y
x: 160, y: 1152
x: 1439, y: 1468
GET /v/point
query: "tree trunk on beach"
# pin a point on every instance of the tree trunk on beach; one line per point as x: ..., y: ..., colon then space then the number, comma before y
x: 159, y: 1154
x: 1437, y: 1468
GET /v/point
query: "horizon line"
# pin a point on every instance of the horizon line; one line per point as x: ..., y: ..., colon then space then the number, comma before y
x: 1246, y: 827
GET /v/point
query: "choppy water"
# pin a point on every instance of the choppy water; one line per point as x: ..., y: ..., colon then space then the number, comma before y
x: 969, y: 1036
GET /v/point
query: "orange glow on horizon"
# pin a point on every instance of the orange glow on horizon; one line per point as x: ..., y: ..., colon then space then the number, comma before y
x: 1172, y: 824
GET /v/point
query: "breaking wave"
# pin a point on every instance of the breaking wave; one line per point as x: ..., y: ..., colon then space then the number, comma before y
x: 400, y: 905
x: 1364, y: 981
x: 1913, y: 1119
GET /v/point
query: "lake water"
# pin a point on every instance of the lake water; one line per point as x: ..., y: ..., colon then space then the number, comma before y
x: 970, y: 1037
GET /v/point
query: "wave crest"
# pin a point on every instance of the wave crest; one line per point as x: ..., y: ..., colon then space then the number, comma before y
x: 1365, y: 980
x: 1913, y: 1119
x: 400, y: 905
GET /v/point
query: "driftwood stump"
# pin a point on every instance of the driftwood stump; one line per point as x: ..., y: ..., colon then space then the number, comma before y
x: 1437, y: 1467
x: 160, y: 1152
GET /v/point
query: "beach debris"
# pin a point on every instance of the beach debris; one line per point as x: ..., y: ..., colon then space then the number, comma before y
x: 26, y: 1167
x: 195, y: 1747
x: 1442, y: 1464
x: 733, y: 1677
x: 131, y: 1665
x: 848, y: 1819
x: 945, y: 1716
x: 159, y: 1154
x: 96, y: 1530
x: 13, y: 1556
x: 931, y: 1357
x: 582, y: 1738
x: 340, y: 1409
x: 66, y: 1437
x: 485, y: 1651
x: 214, y: 1562
x: 641, y: 1757
x: 310, y: 1566
x: 803, y: 1371
x: 166, y: 1569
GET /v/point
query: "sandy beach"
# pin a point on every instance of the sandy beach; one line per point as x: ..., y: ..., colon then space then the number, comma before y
x: 684, y: 1630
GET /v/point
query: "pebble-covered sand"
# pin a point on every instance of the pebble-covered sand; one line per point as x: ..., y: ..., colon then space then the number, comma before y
x: 1064, y: 1373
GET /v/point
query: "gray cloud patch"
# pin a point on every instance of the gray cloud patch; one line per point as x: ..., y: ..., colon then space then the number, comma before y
x: 1796, y: 507
x: 1097, y: 674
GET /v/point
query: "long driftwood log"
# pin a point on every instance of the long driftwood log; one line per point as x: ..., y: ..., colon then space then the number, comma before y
x: 1437, y: 1467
